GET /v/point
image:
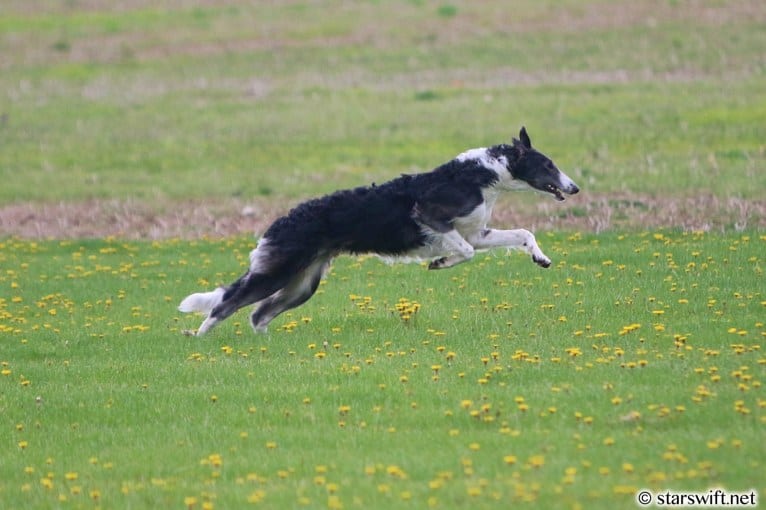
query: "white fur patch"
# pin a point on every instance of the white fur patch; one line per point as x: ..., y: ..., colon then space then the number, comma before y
x: 259, y: 255
x: 477, y: 219
x: 567, y: 184
x: 477, y: 154
x: 481, y: 154
x: 498, y: 165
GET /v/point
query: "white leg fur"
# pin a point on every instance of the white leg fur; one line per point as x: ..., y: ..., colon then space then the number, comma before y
x: 519, y: 239
x: 208, y: 323
x: 458, y: 248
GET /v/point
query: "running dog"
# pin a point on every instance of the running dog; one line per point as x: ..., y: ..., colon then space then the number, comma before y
x: 439, y: 216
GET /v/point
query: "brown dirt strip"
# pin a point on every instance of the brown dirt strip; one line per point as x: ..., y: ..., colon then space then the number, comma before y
x: 188, y: 219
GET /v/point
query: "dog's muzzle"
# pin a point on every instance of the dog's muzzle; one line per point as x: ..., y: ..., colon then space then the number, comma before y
x: 558, y: 193
x: 566, y: 185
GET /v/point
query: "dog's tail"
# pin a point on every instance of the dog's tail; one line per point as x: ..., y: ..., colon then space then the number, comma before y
x: 202, y: 301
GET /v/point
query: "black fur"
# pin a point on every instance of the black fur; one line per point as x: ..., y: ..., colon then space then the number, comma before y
x: 382, y: 219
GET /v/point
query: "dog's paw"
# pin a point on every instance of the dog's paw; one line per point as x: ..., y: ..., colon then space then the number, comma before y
x: 438, y: 263
x: 188, y: 332
x: 542, y: 261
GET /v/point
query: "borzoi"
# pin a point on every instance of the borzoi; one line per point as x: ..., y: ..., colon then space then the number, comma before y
x: 439, y: 216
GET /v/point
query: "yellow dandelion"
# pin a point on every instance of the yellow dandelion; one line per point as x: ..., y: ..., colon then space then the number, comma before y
x: 474, y: 491
x: 510, y: 459
x: 396, y: 472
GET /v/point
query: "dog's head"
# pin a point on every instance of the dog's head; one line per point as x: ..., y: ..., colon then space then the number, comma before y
x: 530, y: 168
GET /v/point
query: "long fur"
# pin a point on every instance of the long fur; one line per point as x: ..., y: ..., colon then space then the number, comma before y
x: 439, y: 216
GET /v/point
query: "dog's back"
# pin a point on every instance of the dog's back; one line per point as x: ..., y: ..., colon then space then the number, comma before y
x: 383, y: 219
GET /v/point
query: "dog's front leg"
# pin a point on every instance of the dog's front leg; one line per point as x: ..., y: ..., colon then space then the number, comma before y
x: 453, y: 243
x: 518, y: 239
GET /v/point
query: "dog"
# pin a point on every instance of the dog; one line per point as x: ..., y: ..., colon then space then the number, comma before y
x: 440, y: 216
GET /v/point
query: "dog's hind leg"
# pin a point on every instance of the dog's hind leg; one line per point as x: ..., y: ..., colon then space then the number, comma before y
x: 519, y: 239
x: 300, y: 288
x: 246, y: 291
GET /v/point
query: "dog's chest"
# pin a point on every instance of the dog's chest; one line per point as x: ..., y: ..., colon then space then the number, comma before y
x: 477, y: 219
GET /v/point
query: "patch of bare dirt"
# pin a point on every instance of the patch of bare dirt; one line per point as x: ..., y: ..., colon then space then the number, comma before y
x: 189, y: 219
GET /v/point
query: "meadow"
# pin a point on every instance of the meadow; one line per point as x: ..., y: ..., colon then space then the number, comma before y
x: 634, y: 362
x: 133, y: 135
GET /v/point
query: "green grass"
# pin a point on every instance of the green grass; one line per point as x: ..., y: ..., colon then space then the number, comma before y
x: 290, y: 99
x: 635, y: 361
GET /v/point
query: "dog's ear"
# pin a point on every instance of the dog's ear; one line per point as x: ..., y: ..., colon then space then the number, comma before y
x: 525, y: 142
x: 525, y: 138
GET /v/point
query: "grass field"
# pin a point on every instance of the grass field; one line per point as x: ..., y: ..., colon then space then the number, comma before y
x: 634, y: 362
x: 133, y: 133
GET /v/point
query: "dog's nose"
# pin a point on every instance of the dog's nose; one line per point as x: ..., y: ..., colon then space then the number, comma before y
x: 574, y: 190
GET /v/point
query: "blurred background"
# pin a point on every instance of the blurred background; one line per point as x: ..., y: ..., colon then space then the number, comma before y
x: 189, y: 118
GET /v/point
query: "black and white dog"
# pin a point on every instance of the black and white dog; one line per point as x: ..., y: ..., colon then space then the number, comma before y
x: 441, y: 216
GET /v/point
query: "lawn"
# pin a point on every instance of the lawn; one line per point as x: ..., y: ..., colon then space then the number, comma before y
x: 635, y: 361
x: 133, y: 135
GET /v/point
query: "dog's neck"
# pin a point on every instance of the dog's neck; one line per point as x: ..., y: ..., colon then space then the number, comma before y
x: 511, y: 153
